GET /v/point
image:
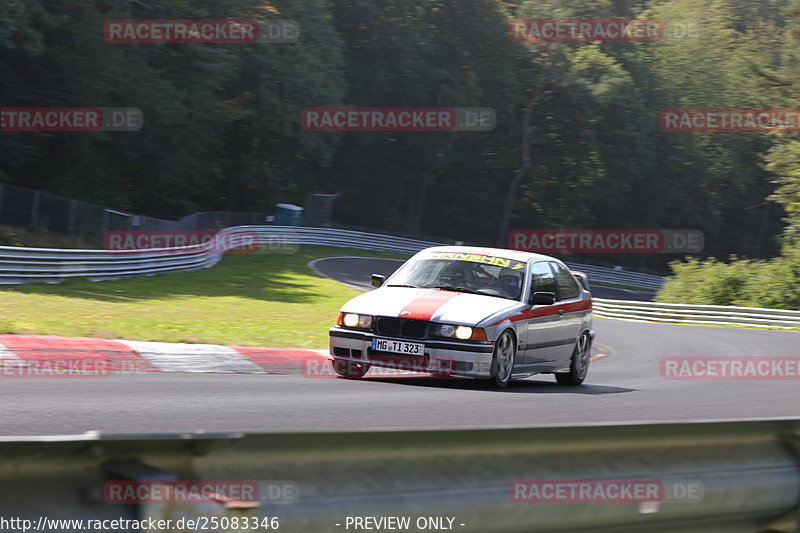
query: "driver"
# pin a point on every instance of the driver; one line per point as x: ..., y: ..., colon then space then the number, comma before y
x: 460, y: 274
x: 510, y: 285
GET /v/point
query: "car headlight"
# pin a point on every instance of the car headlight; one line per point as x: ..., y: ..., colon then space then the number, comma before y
x: 447, y: 330
x: 352, y: 320
x: 461, y: 332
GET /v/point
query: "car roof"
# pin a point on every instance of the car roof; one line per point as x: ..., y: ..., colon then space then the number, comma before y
x: 517, y: 255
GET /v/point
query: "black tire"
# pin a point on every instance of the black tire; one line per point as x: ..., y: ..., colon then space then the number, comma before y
x: 350, y: 369
x: 579, y: 364
x: 505, y: 352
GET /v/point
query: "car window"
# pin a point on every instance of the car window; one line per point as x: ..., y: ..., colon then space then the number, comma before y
x: 422, y: 273
x: 481, y: 274
x: 567, y: 286
x: 542, y: 278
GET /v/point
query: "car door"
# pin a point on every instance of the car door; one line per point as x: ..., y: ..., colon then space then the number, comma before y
x: 569, y: 308
x: 543, y: 324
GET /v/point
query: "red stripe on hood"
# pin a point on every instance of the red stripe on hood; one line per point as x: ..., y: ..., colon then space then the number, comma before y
x: 424, y: 307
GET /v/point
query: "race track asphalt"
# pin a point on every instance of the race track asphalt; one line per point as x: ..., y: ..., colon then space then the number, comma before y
x: 623, y: 386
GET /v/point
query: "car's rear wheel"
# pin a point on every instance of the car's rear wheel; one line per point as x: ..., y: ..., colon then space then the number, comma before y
x: 579, y: 365
x: 350, y: 369
x: 505, y: 351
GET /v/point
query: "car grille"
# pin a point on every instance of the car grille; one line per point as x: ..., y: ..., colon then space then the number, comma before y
x: 399, y: 327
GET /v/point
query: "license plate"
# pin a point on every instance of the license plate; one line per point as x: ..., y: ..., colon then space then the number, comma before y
x: 406, y: 348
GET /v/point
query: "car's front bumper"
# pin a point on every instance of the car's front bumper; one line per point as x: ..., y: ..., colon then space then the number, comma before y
x: 468, y: 358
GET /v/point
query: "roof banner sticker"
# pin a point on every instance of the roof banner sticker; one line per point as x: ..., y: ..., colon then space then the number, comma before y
x: 477, y: 258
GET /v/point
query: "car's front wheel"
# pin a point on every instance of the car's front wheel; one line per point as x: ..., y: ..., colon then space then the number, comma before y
x: 350, y: 369
x: 579, y: 365
x: 505, y: 351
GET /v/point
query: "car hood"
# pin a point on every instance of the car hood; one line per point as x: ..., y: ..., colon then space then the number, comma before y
x: 428, y: 304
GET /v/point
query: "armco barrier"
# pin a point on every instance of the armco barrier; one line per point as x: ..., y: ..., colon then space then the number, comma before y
x: 24, y: 265
x: 695, y: 314
x: 745, y: 477
x: 619, y: 277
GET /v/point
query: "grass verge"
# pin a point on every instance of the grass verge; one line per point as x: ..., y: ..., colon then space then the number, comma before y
x: 252, y: 300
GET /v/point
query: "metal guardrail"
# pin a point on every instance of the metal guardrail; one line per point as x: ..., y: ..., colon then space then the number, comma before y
x: 24, y: 265
x: 619, y: 277
x: 695, y: 314
x: 746, y: 475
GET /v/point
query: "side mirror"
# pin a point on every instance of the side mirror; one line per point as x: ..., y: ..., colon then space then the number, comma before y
x: 583, y: 279
x: 543, y: 298
x: 377, y: 280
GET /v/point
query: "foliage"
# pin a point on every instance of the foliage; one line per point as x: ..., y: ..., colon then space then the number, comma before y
x: 741, y: 282
x: 222, y: 128
x: 13, y: 236
x: 775, y: 63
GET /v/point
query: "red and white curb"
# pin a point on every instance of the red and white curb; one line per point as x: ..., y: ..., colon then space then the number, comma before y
x: 124, y: 355
x: 168, y: 357
x: 49, y: 354
x: 7, y: 355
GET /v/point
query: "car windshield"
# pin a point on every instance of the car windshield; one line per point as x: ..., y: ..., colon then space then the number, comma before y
x: 470, y: 273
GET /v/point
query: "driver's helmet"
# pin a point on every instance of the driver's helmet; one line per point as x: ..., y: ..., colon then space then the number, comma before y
x: 458, y: 274
x: 510, y: 284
